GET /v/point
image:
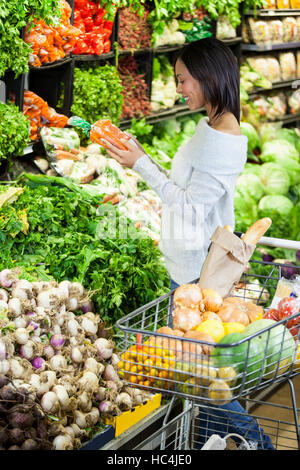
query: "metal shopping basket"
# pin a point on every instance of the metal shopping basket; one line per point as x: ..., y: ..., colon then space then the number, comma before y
x: 191, y: 368
x: 206, y: 427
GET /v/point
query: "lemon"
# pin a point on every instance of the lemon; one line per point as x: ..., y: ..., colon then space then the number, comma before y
x: 233, y: 327
x: 213, y: 328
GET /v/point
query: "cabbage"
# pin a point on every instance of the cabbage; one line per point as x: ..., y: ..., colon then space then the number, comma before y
x: 280, y: 209
x: 285, y: 154
x: 277, y: 203
x: 278, y: 147
x: 245, y: 209
x: 253, y: 138
x: 250, y: 184
x: 275, y: 179
x: 252, y: 168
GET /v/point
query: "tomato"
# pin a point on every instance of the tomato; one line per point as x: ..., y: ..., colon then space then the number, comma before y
x: 294, y: 332
x: 287, y: 307
x: 272, y: 314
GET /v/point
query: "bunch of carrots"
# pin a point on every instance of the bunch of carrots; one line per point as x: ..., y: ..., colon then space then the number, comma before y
x: 135, y: 89
x: 51, y: 43
x: 41, y: 114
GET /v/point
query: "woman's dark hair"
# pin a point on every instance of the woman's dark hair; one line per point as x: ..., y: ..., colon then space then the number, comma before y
x: 215, y: 66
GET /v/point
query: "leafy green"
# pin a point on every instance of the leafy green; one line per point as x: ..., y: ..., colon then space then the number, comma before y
x: 14, y: 52
x: 69, y: 238
x: 97, y: 93
x: 14, y: 131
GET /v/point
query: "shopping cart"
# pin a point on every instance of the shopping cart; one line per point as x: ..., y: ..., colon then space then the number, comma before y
x: 194, y: 428
x: 191, y: 368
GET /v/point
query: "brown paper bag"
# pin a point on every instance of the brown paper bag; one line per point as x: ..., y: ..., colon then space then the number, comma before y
x: 226, y: 261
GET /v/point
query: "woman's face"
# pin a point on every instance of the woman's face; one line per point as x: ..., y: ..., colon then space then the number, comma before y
x: 188, y: 87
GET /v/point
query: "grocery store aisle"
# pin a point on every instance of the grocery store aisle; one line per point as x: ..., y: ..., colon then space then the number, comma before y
x: 276, y: 416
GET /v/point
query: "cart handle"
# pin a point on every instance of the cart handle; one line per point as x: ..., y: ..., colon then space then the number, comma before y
x: 277, y: 242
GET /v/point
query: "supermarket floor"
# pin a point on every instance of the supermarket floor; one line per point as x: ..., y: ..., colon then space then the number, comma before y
x: 276, y: 415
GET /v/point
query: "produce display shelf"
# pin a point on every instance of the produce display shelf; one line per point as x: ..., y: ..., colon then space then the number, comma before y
x: 270, y: 47
x: 177, y: 111
x: 92, y: 57
x: 53, y: 65
x: 289, y: 118
x: 232, y: 41
x: 281, y: 12
x: 276, y: 85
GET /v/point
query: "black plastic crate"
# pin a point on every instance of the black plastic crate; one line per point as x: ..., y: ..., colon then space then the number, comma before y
x: 98, y: 441
x: 14, y: 88
x: 51, y: 81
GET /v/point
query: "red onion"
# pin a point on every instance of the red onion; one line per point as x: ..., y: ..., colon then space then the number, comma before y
x: 267, y: 258
x: 86, y: 306
x: 29, y: 444
x: 298, y: 256
x: 57, y: 341
x: 38, y: 363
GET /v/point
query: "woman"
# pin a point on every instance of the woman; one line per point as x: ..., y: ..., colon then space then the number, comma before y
x: 198, y: 195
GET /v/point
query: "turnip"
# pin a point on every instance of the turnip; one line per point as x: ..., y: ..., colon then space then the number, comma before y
x: 62, y: 396
x: 16, y: 436
x: 20, y: 322
x: 29, y: 444
x: 3, y: 295
x: 76, y: 355
x: 16, y: 369
x: 124, y: 402
x: 20, y: 420
x: 27, y: 350
x: 104, y: 348
x: 84, y: 401
x: 89, y: 381
x: 50, y: 402
x: 6, y: 279
x: 63, y: 442
x: 57, y: 341
x: 15, y: 307
x: 2, y: 351
x: 110, y: 373
x: 21, y: 335
x: 92, y: 417
x: 58, y: 362
x: 38, y: 363
x: 48, y: 351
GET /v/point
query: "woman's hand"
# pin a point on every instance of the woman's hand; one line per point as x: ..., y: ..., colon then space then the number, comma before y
x: 125, y: 157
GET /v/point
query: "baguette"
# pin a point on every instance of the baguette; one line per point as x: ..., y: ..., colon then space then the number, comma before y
x: 257, y: 230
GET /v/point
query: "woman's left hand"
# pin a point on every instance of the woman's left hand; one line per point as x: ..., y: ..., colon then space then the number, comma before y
x: 125, y: 157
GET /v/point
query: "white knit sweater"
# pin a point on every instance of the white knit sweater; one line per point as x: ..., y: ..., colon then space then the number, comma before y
x: 197, y: 197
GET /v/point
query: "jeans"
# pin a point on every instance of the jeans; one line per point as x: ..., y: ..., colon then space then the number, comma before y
x: 227, y: 419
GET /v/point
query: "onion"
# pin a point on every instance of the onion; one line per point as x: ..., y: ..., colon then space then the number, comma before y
x: 38, y: 363
x: 77, y: 431
x: 35, y: 381
x: 50, y: 402
x: 185, y: 318
x: 4, y: 366
x: 63, y: 288
x: 267, y: 258
x: 8, y: 393
x: 16, y: 369
x: 18, y: 293
x: 104, y: 348
x: 70, y: 431
x: 41, y: 430
x: 79, y: 418
x: 189, y: 295
x: 3, y: 380
x: 15, y: 307
x: 115, y: 359
x: 23, y: 284
x: 29, y: 444
x: 212, y: 300
x: 63, y: 442
x: 76, y: 289
x: 16, y: 435
x: 110, y: 373
x: 106, y: 407
x: 86, y: 306
x: 20, y: 420
x: 92, y: 417
x: 50, y: 299
x: 48, y: 351
x: 124, y: 402
x: 2, y: 351
x: 72, y: 304
x: 47, y: 379
x: 27, y: 350
x: 58, y: 362
x: 3, y: 295
x: 5, y: 278
x: 72, y: 327
x: 62, y: 396
x: 20, y: 322
x: 57, y: 341
x: 89, y: 381
x: 89, y: 326
x: 76, y: 355
x: 92, y: 365
x: 21, y: 335
x: 85, y: 402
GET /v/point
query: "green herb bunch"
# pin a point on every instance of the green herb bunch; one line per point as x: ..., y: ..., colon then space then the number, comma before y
x: 63, y: 243
x: 97, y: 93
x: 14, y: 131
x: 14, y: 15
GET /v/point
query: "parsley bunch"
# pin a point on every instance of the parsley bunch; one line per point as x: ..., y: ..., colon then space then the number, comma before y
x: 14, y: 131
x: 97, y: 93
x: 14, y: 15
x: 63, y: 243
